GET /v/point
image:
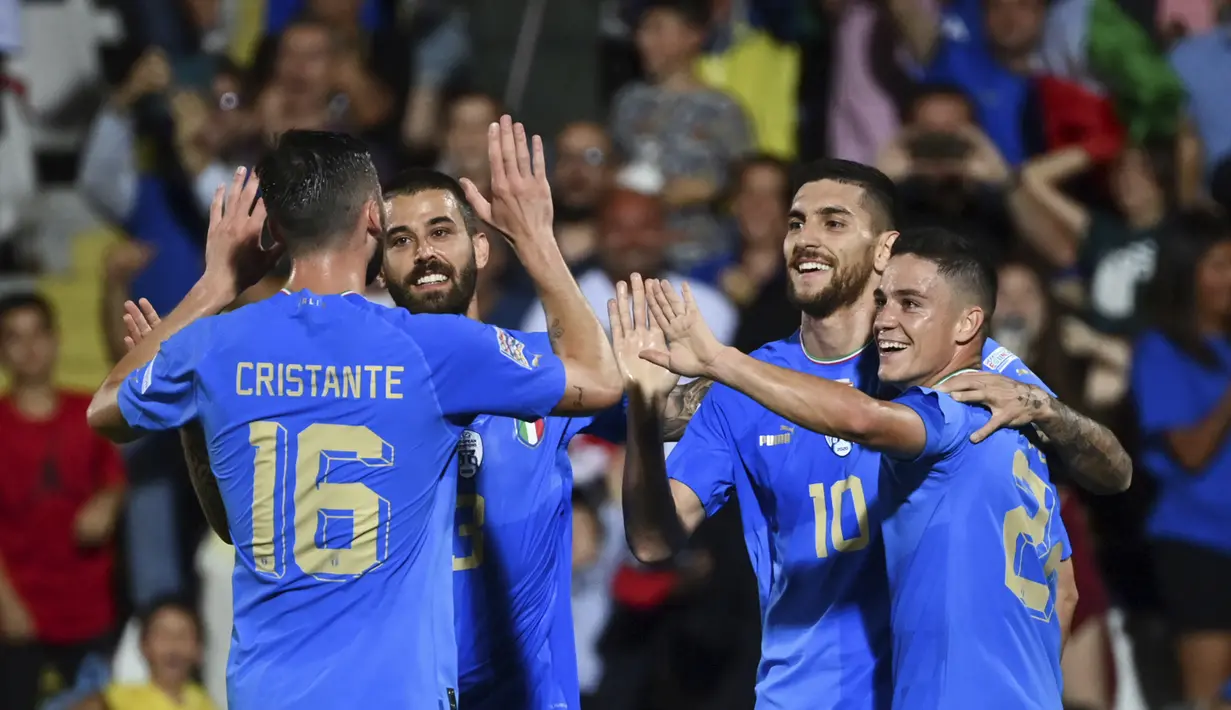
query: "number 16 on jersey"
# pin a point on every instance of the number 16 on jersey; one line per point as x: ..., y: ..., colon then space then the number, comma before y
x: 340, y: 530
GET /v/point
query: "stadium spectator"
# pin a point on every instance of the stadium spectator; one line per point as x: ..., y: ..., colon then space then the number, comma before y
x: 582, y: 175
x: 686, y: 135
x: 1182, y: 387
x: 464, y: 153
x: 60, y: 498
x: 1199, y: 60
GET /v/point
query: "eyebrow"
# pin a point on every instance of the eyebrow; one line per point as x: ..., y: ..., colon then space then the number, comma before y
x: 826, y: 211
x: 399, y: 229
x: 908, y: 293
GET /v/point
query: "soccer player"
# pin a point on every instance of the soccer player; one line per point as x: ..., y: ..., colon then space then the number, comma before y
x: 971, y: 531
x: 512, y: 552
x: 808, y: 501
x: 330, y: 421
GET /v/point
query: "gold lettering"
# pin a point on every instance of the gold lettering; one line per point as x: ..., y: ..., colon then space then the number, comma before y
x: 372, y: 370
x: 265, y: 378
x: 239, y: 378
x: 294, y: 380
x: 351, y: 377
x: 331, y: 382
x: 391, y: 381
x: 313, y: 369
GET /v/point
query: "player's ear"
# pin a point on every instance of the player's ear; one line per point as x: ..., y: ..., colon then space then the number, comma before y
x: 482, y: 249
x: 884, y: 247
x: 375, y: 218
x: 970, y: 325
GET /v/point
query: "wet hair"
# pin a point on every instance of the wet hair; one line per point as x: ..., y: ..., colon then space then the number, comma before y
x: 416, y: 180
x: 957, y: 259
x: 879, y: 193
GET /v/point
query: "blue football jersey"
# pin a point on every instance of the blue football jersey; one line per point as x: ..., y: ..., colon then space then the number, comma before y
x: 809, y: 507
x: 331, y: 424
x: 512, y: 558
x: 972, y: 544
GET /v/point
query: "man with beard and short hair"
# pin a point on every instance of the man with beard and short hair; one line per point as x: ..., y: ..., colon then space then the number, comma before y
x: 809, y: 504
x: 511, y: 552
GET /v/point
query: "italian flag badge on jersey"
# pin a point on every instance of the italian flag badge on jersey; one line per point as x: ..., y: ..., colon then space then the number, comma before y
x: 530, y: 433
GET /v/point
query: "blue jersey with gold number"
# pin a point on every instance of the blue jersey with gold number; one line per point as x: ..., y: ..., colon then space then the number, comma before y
x: 972, y: 542
x: 812, y: 527
x: 512, y: 560
x: 331, y: 422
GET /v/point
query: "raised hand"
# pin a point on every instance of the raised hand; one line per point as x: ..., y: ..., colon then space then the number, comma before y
x: 632, y: 332
x: 691, y: 345
x: 233, y: 252
x: 521, y: 197
x: 139, y: 320
x: 1012, y: 403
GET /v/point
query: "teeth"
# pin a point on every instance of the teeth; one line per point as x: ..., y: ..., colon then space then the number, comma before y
x: 807, y: 266
x: 888, y: 345
x: 431, y: 279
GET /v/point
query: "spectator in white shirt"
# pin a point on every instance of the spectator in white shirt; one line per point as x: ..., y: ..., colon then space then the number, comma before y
x: 633, y: 238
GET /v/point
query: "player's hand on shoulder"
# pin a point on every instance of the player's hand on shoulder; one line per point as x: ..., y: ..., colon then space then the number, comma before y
x: 520, y: 203
x: 234, y: 257
x: 1012, y: 403
x: 691, y: 345
x: 139, y: 319
x: 633, y: 331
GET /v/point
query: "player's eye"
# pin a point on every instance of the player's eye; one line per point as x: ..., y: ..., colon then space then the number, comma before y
x: 400, y: 241
x: 794, y: 225
x: 440, y: 233
x: 910, y: 304
x: 834, y: 224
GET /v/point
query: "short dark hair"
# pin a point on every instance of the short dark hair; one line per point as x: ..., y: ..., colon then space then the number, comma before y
x: 416, y: 180
x: 17, y: 301
x: 878, y: 189
x: 761, y: 160
x: 315, y: 185
x: 694, y: 12
x: 168, y: 603
x: 957, y: 259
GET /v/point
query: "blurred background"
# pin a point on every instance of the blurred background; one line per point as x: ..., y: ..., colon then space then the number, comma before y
x: 1086, y: 143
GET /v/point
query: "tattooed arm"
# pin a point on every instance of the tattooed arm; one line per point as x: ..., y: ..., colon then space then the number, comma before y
x: 1089, y: 451
x: 682, y: 403
x: 196, y: 455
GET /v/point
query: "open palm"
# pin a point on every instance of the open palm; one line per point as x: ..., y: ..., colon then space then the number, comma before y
x: 633, y: 331
x: 691, y: 345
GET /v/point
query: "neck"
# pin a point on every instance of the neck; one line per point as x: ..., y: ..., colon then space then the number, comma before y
x: 328, y: 273
x: 1211, y: 324
x: 1016, y: 62
x: 839, y: 334
x: 1145, y: 217
x: 678, y: 79
x: 36, y: 401
x: 172, y: 687
x: 967, y: 357
x: 473, y: 312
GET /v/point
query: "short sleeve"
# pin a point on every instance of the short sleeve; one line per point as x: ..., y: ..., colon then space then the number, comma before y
x: 1000, y: 360
x: 161, y: 395
x: 481, y: 369
x: 943, y: 419
x: 706, y: 456
x: 1158, y: 380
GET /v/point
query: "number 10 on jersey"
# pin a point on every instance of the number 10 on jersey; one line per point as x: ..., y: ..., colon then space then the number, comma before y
x: 340, y: 530
x: 827, y: 514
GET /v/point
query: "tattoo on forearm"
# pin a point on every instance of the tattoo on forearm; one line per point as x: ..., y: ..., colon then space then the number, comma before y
x: 577, y: 402
x: 555, y: 331
x: 682, y: 403
x: 1090, y: 452
x: 196, y: 456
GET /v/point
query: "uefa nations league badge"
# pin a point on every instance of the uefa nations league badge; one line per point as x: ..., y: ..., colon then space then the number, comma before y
x: 469, y: 453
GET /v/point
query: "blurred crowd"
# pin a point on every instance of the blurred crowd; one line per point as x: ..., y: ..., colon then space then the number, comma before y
x: 1086, y: 143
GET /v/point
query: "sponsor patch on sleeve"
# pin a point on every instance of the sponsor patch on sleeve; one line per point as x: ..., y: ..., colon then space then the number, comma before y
x: 998, y: 360
x: 147, y: 378
x: 512, y: 348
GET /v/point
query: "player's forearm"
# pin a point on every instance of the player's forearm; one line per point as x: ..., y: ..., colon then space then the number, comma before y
x: 824, y: 406
x: 682, y: 403
x: 577, y: 337
x: 652, y: 526
x: 1066, y: 600
x: 196, y: 457
x: 1090, y: 452
x: 207, y: 297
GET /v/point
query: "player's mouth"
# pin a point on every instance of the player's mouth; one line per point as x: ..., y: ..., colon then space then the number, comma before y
x: 430, y: 281
x: 812, y: 266
x: 889, y: 347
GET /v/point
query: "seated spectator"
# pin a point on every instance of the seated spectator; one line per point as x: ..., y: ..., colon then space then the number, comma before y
x: 948, y: 172
x: 1182, y: 388
x: 633, y: 238
x: 171, y: 646
x: 60, y: 498
x: 687, y: 135
x: 465, y: 145
x: 582, y: 175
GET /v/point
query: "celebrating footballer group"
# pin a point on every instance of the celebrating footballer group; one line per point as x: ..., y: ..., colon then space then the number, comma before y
x: 396, y: 482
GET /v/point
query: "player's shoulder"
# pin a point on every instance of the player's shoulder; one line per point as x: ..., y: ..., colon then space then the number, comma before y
x: 952, y: 421
x: 785, y: 352
x: 997, y: 358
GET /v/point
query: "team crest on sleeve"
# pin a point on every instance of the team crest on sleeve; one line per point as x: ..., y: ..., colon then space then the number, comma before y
x: 147, y: 377
x: 530, y: 433
x: 512, y: 348
x: 841, y: 447
x: 469, y: 453
x: 998, y: 359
